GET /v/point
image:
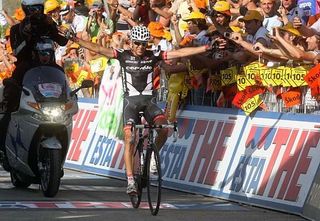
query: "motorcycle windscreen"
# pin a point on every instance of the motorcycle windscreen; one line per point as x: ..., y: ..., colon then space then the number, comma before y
x: 46, y: 82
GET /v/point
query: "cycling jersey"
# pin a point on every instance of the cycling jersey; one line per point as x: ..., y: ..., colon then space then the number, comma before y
x: 137, y: 72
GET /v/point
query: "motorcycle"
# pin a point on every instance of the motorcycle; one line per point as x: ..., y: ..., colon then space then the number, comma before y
x: 39, y: 132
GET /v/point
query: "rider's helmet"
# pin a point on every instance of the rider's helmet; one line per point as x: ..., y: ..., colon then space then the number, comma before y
x: 140, y: 33
x: 51, y: 5
x: 31, y: 7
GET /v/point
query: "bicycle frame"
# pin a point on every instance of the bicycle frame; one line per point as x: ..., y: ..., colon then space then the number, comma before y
x: 143, y: 176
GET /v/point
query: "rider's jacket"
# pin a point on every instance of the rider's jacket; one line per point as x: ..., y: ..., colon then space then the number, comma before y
x: 137, y: 72
x: 22, y: 43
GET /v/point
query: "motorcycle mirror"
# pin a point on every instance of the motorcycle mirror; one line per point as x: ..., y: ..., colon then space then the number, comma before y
x: 87, y: 84
x: 84, y: 84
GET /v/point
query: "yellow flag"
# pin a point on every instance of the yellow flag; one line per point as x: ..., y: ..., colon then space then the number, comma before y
x: 251, y: 104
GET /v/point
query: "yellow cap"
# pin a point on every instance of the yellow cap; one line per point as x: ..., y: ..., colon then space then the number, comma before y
x: 289, y: 28
x: 72, y: 46
x: 50, y: 5
x: 252, y: 15
x: 221, y: 6
x: 195, y: 15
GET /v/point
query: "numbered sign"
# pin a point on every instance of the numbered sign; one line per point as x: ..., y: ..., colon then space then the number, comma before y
x: 228, y: 76
x: 251, y: 104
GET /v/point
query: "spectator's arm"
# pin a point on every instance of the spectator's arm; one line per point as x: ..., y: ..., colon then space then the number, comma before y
x: 185, y: 52
x: 304, y: 30
x: 237, y: 38
x: 128, y: 20
x: 270, y: 54
x: 124, y: 11
x: 292, y: 51
x: 8, y: 18
x: 177, y: 34
x: 163, y: 12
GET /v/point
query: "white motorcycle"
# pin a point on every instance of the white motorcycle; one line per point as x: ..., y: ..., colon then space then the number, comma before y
x: 39, y: 132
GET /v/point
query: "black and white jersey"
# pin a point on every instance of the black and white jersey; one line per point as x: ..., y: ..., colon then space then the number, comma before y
x: 137, y: 72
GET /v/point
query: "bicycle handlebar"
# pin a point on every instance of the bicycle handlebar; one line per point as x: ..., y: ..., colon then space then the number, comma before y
x: 173, y: 126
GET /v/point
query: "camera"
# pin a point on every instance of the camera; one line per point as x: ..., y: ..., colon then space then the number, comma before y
x: 178, y: 16
x: 227, y: 34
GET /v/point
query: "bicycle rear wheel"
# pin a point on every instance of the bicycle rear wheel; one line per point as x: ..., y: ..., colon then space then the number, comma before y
x: 154, y: 181
x: 136, y: 198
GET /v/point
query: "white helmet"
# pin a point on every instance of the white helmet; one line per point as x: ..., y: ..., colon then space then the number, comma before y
x: 140, y: 33
x: 32, y: 2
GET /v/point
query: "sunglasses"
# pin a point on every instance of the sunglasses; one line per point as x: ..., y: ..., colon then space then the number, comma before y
x: 138, y: 43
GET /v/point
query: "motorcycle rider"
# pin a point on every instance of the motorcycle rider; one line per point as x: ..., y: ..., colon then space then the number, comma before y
x: 23, y: 38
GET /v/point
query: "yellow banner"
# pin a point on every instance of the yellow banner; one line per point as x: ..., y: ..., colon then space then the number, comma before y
x: 251, y: 104
x: 228, y: 76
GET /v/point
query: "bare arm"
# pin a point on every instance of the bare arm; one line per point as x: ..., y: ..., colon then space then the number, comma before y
x: 8, y: 18
x: 163, y: 12
x: 237, y: 38
x: 270, y: 54
x: 292, y: 51
x: 185, y: 52
x: 177, y: 34
x: 108, y: 52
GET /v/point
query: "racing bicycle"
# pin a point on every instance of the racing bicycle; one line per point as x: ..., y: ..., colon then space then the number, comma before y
x: 147, y: 165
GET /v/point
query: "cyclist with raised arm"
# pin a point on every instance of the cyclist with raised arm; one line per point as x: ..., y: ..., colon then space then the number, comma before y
x: 139, y: 95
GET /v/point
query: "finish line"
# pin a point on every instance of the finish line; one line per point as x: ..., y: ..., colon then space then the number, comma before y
x: 112, y: 205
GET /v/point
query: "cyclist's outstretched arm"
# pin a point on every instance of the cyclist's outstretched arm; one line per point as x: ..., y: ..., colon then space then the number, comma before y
x: 108, y: 52
x: 185, y: 52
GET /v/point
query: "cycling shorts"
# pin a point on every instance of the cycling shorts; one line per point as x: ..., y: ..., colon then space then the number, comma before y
x: 134, y: 104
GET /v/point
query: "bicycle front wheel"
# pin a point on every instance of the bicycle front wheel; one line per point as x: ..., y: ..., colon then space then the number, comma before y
x: 154, y: 181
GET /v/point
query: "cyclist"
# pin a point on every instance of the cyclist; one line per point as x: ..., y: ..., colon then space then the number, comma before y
x: 137, y: 65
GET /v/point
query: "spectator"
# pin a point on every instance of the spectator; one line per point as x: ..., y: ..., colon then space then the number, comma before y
x: 256, y: 33
x: 271, y: 18
x: 52, y: 9
x: 77, y: 22
x: 197, y: 29
x: 283, y: 37
x: 290, y: 10
x: 222, y: 17
x: 157, y: 37
x: 99, y: 22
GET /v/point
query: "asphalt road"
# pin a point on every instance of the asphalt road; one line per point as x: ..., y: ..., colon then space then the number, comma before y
x: 85, y: 197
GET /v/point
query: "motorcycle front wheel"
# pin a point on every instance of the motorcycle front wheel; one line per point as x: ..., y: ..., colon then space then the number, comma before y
x: 50, y: 171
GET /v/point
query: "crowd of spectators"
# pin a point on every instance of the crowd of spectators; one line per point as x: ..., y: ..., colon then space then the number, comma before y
x: 265, y: 56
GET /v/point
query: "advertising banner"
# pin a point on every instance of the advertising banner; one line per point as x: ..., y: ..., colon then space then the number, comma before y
x: 269, y: 160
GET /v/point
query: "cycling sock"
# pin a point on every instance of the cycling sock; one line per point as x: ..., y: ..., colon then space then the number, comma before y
x: 130, y: 179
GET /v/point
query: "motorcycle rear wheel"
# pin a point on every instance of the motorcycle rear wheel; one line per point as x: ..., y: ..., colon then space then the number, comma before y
x: 17, y: 182
x: 50, y: 173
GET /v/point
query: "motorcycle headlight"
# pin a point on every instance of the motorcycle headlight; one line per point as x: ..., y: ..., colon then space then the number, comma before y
x: 52, y: 112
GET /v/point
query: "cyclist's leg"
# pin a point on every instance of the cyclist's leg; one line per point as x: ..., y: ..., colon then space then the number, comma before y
x: 129, y: 114
x: 155, y: 115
